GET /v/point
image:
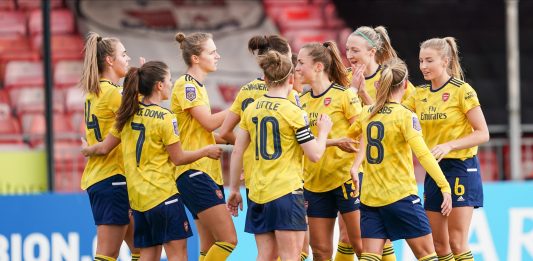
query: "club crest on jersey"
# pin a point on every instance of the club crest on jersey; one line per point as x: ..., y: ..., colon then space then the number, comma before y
x: 327, y: 101
x: 445, y: 96
x: 186, y: 226
x: 190, y: 93
x: 416, y: 123
x: 219, y: 194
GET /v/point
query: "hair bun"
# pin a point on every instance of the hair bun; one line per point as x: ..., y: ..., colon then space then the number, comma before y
x: 180, y: 37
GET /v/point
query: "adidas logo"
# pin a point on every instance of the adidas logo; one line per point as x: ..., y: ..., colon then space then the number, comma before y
x: 357, y: 201
x: 424, y: 100
x: 460, y: 198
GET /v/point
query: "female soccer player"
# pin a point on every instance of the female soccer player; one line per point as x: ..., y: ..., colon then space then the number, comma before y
x: 278, y: 131
x: 366, y: 49
x: 105, y: 63
x: 327, y: 183
x: 200, y: 183
x: 453, y: 126
x: 152, y: 149
x: 390, y: 207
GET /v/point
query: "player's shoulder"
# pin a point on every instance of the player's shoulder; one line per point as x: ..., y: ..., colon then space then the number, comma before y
x: 339, y: 88
x: 457, y: 82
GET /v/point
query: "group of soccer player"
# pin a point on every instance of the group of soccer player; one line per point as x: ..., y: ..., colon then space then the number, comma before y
x: 314, y: 139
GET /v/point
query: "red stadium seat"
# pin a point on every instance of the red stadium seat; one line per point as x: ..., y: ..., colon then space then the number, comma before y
x: 15, y: 48
x: 64, y: 47
x: 31, y: 100
x: 77, y: 121
x: 34, y: 4
x: 488, y: 161
x: 297, y: 38
x: 7, y: 5
x: 9, y: 129
x: 23, y: 73
x: 61, y: 22
x: 13, y: 23
x: 74, y: 100
x: 67, y: 73
x: 69, y: 165
x: 331, y: 17
x: 300, y: 17
x: 34, y: 127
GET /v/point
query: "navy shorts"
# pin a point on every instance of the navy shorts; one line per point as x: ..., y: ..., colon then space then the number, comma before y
x: 284, y: 213
x: 465, y: 181
x: 199, y: 192
x: 109, y: 201
x: 161, y: 224
x: 403, y: 219
x: 342, y: 199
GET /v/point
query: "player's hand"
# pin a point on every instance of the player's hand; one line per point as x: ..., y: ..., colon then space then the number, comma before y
x: 142, y: 61
x: 358, y: 78
x: 84, y: 146
x: 446, y: 206
x: 234, y: 203
x: 213, y: 151
x: 354, y: 171
x: 347, y: 144
x: 324, y: 123
x: 441, y: 150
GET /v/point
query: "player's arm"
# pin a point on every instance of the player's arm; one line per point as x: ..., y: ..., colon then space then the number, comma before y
x: 346, y: 144
x: 314, y: 148
x: 241, y: 143
x: 100, y: 148
x: 226, y: 130
x: 354, y: 171
x: 178, y: 156
x: 209, y: 122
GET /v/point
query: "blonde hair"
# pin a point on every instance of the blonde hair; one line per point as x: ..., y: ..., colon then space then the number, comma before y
x: 191, y: 44
x: 377, y: 38
x: 276, y: 68
x: 447, y: 47
x: 96, y: 50
x: 393, y: 77
x: 328, y: 54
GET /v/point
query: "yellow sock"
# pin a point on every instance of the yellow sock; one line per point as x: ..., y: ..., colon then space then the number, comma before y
x: 388, y: 253
x: 466, y: 256
x: 202, y: 256
x: 103, y: 258
x: 303, y: 256
x: 448, y: 257
x: 344, y: 252
x: 370, y: 257
x: 219, y: 251
x: 135, y: 257
x: 430, y: 257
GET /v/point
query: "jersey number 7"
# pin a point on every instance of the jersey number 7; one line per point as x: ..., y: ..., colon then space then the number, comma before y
x: 140, y: 140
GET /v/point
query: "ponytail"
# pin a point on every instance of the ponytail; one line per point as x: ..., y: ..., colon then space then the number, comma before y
x: 328, y: 54
x: 447, y: 47
x: 393, y: 77
x: 96, y: 50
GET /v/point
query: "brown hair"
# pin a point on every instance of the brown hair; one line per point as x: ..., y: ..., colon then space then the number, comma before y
x: 138, y: 81
x: 328, y: 54
x: 276, y: 68
x: 377, y: 38
x: 96, y: 50
x: 191, y: 44
x: 262, y: 44
x: 447, y: 47
x: 393, y: 76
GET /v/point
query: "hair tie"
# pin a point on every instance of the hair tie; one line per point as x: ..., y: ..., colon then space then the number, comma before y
x: 325, y: 44
x: 99, y: 38
x: 366, y: 38
x: 285, y: 77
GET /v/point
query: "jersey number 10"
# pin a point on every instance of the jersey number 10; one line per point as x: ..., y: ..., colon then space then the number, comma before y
x: 261, y: 137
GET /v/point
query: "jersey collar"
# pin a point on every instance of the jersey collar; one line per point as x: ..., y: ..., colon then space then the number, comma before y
x: 440, y: 88
x: 198, y: 82
x: 374, y: 74
x: 323, y: 93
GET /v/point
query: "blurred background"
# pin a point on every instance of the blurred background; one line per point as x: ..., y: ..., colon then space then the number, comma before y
x: 40, y: 67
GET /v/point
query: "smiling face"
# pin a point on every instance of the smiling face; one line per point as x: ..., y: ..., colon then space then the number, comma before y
x: 208, y: 58
x: 432, y: 64
x: 305, y: 67
x: 120, y: 62
x: 358, y: 51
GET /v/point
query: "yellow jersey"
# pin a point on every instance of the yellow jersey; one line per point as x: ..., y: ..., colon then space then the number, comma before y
x: 149, y: 171
x: 333, y: 169
x: 277, y: 127
x: 372, y: 84
x: 248, y: 94
x: 189, y: 93
x: 442, y: 114
x: 100, y: 112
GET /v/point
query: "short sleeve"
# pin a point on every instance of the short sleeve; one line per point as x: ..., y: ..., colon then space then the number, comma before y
x: 116, y: 133
x: 243, y: 124
x: 355, y: 129
x: 408, y: 99
x: 169, y: 130
x: 351, y: 104
x: 411, y: 126
x: 409, y: 91
x: 190, y: 95
x: 115, y: 98
x: 237, y: 105
x: 294, y: 98
x: 299, y: 121
x: 468, y: 98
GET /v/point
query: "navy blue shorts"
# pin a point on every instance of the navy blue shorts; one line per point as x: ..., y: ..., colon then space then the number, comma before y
x: 109, y: 201
x: 465, y: 181
x: 161, y: 224
x: 342, y: 199
x: 199, y: 192
x: 285, y: 213
x: 403, y: 219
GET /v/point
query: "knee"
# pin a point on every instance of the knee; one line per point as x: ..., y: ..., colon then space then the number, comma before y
x: 441, y: 246
x: 343, y: 237
x: 458, y: 247
x: 321, y: 251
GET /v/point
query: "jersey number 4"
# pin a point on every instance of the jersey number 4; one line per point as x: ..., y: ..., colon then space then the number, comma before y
x: 375, y: 142
x: 91, y: 121
x: 262, y: 136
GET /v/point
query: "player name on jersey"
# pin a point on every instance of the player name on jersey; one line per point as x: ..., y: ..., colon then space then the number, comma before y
x: 273, y: 106
x: 151, y: 113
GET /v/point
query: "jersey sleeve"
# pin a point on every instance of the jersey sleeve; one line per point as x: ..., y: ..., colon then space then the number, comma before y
x: 295, y: 98
x: 168, y: 129
x: 351, y: 104
x: 468, y: 98
x: 116, y: 133
x: 299, y: 121
x: 243, y: 124
x: 114, y: 99
x: 236, y: 106
x: 356, y: 129
x: 411, y: 127
x: 409, y: 91
x: 408, y: 100
x: 189, y: 95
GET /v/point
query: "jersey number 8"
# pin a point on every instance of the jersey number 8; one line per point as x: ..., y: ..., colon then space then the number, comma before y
x: 375, y: 142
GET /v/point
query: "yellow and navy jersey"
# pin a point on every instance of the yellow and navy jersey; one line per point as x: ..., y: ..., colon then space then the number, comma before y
x: 189, y: 93
x: 248, y: 94
x: 277, y: 127
x: 372, y: 84
x: 388, y: 166
x: 149, y: 170
x: 333, y: 169
x: 442, y: 113
x: 100, y: 112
